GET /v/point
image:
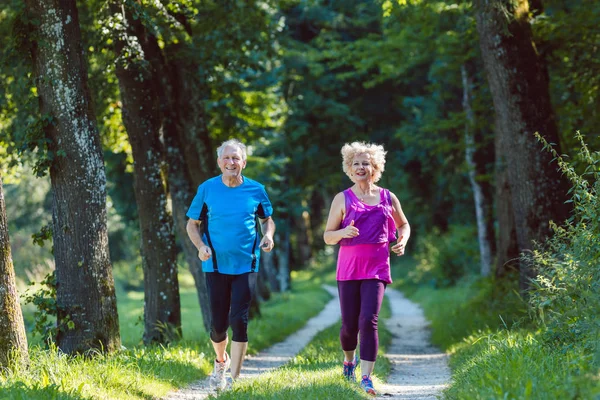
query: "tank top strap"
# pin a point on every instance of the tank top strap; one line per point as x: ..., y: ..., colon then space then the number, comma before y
x: 387, y: 196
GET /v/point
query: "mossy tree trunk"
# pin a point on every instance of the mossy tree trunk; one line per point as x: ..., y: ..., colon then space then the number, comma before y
x: 518, y: 80
x: 143, y: 121
x: 86, y: 303
x: 13, y: 342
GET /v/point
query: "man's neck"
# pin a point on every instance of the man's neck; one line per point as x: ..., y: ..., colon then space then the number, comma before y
x: 232, y: 181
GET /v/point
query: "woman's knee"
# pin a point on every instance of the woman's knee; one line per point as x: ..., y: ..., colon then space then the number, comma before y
x: 368, y: 323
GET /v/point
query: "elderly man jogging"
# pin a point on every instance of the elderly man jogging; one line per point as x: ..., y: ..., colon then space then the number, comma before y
x: 223, y: 227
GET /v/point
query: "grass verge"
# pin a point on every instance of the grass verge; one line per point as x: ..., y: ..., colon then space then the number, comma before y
x: 139, y: 372
x: 496, y: 351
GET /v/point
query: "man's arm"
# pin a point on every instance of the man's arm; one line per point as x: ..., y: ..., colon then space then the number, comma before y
x: 194, y: 231
x: 267, y: 227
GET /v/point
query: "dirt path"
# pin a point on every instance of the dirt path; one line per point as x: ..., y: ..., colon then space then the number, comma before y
x: 419, y: 371
x: 276, y: 355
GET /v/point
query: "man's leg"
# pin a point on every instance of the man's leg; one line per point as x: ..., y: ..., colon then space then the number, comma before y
x: 241, y: 296
x: 219, y: 292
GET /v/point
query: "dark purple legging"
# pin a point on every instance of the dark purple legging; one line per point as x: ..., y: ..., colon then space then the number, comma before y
x: 360, y: 302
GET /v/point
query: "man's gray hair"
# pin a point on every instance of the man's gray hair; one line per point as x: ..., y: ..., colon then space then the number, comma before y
x: 232, y: 143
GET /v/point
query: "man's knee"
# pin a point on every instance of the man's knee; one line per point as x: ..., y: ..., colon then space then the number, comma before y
x: 218, y: 336
x: 239, y: 326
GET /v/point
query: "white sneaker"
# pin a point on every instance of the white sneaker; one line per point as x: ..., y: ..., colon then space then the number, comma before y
x: 217, y: 380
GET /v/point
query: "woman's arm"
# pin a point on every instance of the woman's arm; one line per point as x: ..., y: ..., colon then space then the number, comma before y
x: 333, y: 234
x: 401, y: 224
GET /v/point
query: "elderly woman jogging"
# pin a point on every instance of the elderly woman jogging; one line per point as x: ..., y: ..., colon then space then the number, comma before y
x: 364, y: 219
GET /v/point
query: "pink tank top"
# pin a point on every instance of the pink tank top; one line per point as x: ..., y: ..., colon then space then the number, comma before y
x: 367, y: 256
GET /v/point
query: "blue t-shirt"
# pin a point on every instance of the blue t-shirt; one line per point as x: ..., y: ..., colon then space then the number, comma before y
x: 228, y: 216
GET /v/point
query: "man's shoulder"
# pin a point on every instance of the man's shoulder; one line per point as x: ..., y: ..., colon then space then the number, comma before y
x: 211, y: 181
x: 252, y: 183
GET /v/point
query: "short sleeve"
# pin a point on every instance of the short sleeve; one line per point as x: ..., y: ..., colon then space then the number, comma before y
x: 197, y: 204
x: 265, y: 208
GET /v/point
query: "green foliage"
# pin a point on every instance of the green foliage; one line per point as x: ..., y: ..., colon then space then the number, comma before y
x: 567, y: 290
x: 45, y: 233
x: 443, y: 258
x: 515, y: 364
x: 566, y: 36
x: 43, y: 298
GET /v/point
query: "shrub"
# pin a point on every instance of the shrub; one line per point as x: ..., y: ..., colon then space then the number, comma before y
x: 566, y: 298
x: 444, y: 258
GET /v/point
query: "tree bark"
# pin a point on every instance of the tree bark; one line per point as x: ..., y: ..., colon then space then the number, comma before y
x: 519, y: 85
x: 142, y: 119
x: 86, y: 303
x: 269, y: 269
x: 13, y: 341
x: 483, y: 234
x: 201, y: 162
x: 283, y: 255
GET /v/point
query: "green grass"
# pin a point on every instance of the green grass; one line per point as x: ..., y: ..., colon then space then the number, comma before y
x: 517, y: 364
x: 496, y: 350
x: 315, y: 373
x: 140, y: 372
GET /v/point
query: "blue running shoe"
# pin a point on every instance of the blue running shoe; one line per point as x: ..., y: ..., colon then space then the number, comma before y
x: 367, y: 385
x: 349, y: 367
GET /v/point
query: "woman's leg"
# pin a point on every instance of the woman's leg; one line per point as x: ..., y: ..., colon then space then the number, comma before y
x: 349, y: 293
x: 371, y: 295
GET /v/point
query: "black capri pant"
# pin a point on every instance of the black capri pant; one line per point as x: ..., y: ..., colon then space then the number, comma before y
x: 230, y: 297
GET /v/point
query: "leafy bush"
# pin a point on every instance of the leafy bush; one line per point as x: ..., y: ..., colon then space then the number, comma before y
x: 444, y: 258
x: 567, y: 295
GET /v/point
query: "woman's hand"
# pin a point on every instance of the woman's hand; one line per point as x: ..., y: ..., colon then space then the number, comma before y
x: 350, y: 231
x: 399, y: 247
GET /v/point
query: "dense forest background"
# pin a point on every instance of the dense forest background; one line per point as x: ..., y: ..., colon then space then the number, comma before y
x: 158, y: 85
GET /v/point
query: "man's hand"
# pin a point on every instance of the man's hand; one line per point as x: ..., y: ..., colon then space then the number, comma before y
x: 204, y: 253
x: 267, y: 243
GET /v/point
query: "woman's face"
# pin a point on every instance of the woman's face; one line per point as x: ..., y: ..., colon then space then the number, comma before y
x: 362, y: 168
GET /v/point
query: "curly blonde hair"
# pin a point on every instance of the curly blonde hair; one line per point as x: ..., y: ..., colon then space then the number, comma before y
x: 376, y: 151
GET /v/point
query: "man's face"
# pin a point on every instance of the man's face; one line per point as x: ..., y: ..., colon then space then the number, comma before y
x: 231, y: 162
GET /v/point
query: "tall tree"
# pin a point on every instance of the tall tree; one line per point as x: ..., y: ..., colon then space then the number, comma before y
x: 143, y: 121
x: 518, y: 81
x: 13, y: 342
x: 86, y: 302
x: 485, y: 232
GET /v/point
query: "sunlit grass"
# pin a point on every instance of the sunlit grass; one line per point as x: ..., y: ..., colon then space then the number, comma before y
x: 315, y: 373
x: 496, y: 351
x: 139, y: 372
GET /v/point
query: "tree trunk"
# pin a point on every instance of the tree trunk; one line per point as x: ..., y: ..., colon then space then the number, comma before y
x: 303, y: 238
x: 507, y: 249
x: 13, y: 342
x: 86, y: 302
x: 189, y: 97
x: 142, y: 120
x: 519, y: 85
x: 181, y: 184
x: 484, y: 237
x: 283, y: 255
x: 269, y: 269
